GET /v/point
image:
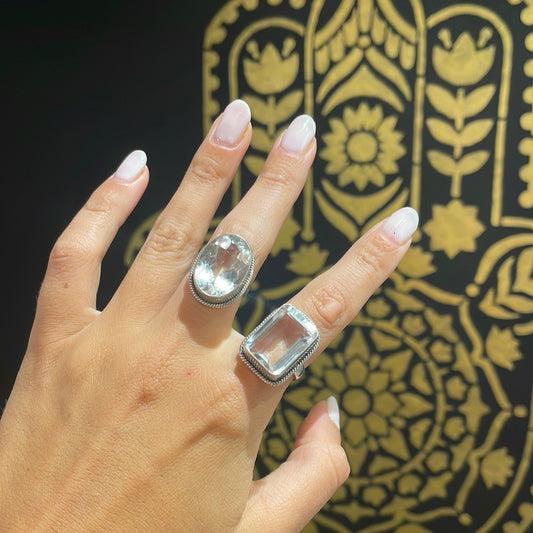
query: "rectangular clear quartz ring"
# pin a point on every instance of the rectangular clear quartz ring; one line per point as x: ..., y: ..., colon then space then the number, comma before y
x: 280, y: 344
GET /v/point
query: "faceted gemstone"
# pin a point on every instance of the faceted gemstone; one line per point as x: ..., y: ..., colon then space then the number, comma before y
x: 223, y: 269
x: 280, y: 342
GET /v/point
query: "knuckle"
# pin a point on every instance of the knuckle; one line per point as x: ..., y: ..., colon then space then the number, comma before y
x: 226, y: 408
x: 66, y: 254
x: 329, y: 306
x: 338, y: 464
x: 168, y: 237
x: 99, y: 203
x: 274, y: 178
x: 206, y: 168
x: 373, y: 257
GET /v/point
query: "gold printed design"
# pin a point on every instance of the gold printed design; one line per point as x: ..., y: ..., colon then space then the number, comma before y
x: 415, y: 105
x: 362, y: 148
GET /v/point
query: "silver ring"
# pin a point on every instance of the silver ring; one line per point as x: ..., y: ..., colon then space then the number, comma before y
x: 222, y: 270
x: 279, y: 346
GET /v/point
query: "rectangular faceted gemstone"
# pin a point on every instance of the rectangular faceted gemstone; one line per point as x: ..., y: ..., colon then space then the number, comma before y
x: 277, y: 343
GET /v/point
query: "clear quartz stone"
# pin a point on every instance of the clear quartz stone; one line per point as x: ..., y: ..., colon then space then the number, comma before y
x: 222, y: 267
x: 277, y: 343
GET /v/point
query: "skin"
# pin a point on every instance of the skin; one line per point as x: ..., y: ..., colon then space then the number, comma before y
x: 141, y: 417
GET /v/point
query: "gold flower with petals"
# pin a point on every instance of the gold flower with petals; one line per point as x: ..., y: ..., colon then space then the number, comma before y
x: 363, y: 147
x: 454, y: 228
x: 465, y: 62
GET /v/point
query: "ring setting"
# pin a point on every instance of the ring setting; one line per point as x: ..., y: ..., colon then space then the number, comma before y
x: 222, y: 270
x: 279, y: 346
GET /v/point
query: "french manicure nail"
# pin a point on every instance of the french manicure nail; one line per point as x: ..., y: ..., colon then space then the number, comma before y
x: 401, y: 225
x: 233, y: 123
x: 131, y: 167
x: 299, y: 134
x: 333, y: 411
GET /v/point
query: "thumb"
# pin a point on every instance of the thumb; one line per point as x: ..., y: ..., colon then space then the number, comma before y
x: 288, y: 498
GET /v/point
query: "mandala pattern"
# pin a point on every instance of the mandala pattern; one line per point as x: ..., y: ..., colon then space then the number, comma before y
x: 416, y: 104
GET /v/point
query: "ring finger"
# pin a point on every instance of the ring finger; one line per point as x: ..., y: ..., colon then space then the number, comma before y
x: 260, y: 214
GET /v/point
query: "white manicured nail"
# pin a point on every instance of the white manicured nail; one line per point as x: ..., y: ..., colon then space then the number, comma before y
x: 233, y: 123
x: 131, y: 167
x: 401, y: 225
x: 333, y: 411
x: 299, y: 134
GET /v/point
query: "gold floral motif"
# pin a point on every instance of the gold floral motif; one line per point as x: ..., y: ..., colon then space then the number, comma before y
x: 269, y: 71
x: 454, y: 228
x: 412, y: 62
x: 496, y: 468
x: 464, y: 62
x: 363, y: 147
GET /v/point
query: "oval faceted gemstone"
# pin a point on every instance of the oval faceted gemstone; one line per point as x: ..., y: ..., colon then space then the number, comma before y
x: 223, y: 269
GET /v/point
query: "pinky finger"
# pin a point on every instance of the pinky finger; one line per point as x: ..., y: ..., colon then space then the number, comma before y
x: 67, y: 298
x: 288, y: 498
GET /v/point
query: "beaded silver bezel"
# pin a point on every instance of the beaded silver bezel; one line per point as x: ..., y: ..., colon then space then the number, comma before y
x: 295, y: 366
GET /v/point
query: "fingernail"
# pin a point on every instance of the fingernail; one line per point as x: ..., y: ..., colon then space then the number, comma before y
x: 233, y: 123
x: 131, y: 167
x: 333, y: 411
x: 299, y: 134
x: 401, y: 225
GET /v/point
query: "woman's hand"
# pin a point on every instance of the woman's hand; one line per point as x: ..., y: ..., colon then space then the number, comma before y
x: 142, y: 417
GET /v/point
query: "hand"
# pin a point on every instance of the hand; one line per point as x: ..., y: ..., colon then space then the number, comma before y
x: 142, y: 417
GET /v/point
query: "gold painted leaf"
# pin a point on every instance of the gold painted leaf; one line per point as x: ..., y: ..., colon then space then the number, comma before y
x: 405, y: 302
x: 382, y: 464
x: 503, y: 347
x: 395, y: 444
x: 477, y: 100
x: 301, y: 397
x: 463, y: 364
x: 461, y: 451
x: 442, y: 162
x: 336, y: 218
x: 288, y: 105
x: 398, y: 504
x: 472, y: 162
x: 285, y: 238
x: 475, y: 132
x: 419, y: 380
x: 254, y: 164
x: 384, y: 342
x: 442, y: 100
x: 261, y: 140
x: 417, y: 263
x: 443, y: 132
x: 260, y: 109
x: 496, y: 468
x: 397, y: 364
x: 418, y: 432
x: 413, y: 405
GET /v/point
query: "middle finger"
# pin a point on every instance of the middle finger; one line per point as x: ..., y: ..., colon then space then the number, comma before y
x: 260, y: 214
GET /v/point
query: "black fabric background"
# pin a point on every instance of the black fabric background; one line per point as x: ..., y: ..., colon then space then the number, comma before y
x: 83, y: 84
